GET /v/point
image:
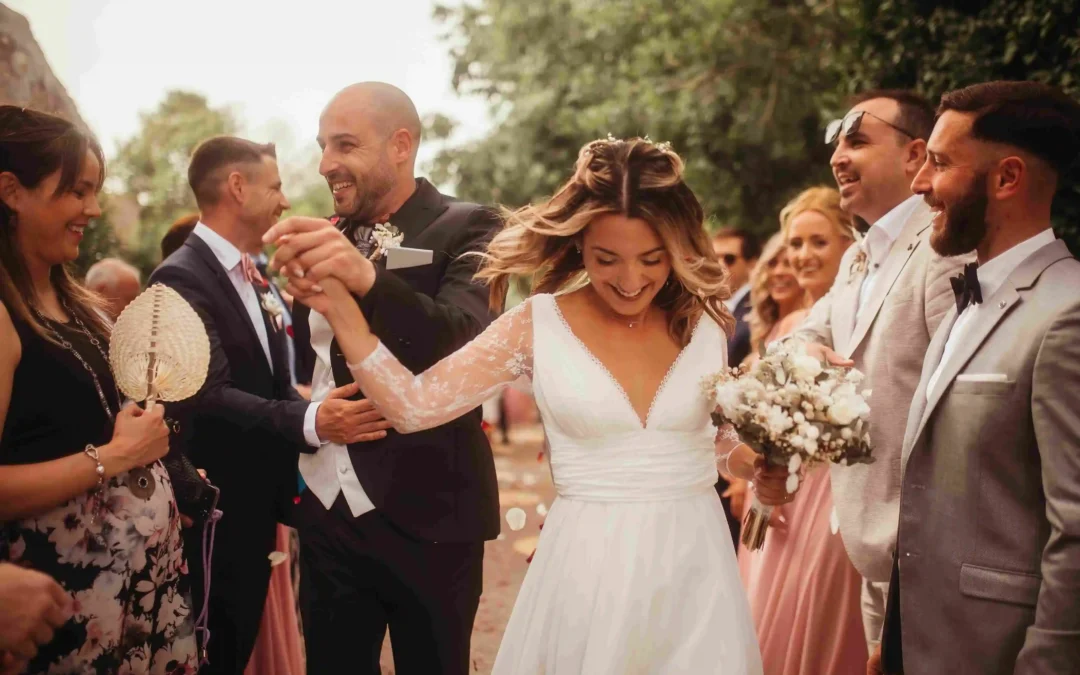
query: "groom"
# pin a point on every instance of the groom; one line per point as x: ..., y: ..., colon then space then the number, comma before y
x: 392, y: 527
x: 987, y: 578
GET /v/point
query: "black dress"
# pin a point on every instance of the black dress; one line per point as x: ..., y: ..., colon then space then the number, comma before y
x: 125, y: 570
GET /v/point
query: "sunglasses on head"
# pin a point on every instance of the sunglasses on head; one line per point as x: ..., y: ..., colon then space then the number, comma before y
x: 850, y: 124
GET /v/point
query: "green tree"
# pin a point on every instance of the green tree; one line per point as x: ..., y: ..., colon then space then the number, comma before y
x: 739, y: 87
x: 152, y: 166
x: 938, y: 46
x: 742, y: 88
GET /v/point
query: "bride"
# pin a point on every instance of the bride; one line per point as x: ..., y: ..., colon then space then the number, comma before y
x: 635, y: 570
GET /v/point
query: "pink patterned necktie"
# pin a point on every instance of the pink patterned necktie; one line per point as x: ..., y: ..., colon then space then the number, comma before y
x: 251, y: 273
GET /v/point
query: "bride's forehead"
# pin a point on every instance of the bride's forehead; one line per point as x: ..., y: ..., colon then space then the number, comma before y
x: 620, y: 233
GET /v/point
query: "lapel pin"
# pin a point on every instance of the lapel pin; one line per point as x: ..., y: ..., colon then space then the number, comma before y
x: 1001, y: 305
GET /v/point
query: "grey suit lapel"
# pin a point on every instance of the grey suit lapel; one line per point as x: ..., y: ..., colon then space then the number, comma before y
x: 997, y: 307
x: 934, y: 352
x: 902, y: 250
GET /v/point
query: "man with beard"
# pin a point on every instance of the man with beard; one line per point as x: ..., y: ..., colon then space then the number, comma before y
x: 987, y: 578
x: 886, y: 303
x: 392, y: 527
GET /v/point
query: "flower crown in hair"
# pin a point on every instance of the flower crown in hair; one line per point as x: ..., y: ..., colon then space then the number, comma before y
x: 664, y: 147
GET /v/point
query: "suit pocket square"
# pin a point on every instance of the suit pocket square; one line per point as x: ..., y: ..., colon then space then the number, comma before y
x: 982, y: 377
x: 400, y: 258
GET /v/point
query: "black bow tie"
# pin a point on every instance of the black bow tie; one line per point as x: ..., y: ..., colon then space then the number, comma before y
x: 966, y: 287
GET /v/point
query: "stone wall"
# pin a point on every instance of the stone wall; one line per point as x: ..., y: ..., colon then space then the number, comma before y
x: 25, y: 76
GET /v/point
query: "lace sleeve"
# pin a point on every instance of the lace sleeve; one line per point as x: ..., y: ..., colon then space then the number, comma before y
x: 455, y: 385
x: 727, y: 439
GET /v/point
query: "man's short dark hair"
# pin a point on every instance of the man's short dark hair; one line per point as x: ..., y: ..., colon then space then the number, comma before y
x: 751, y: 245
x: 216, y: 158
x: 1032, y: 116
x: 916, y: 114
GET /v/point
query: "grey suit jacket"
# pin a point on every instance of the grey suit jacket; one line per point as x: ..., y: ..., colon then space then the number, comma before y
x: 910, y: 297
x: 989, y: 538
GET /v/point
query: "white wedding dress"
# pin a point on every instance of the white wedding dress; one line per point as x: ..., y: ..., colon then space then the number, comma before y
x: 635, y: 570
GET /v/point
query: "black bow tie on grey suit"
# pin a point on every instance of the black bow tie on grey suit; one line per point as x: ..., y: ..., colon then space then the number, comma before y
x: 966, y: 287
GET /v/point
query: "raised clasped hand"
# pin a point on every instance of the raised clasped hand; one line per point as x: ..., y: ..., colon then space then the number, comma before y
x: 312, y: 250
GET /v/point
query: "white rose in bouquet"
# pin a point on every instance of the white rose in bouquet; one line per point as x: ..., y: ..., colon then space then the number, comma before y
x: 805, y: 367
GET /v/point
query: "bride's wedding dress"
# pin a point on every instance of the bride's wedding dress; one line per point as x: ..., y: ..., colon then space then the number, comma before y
x: 635, y: 569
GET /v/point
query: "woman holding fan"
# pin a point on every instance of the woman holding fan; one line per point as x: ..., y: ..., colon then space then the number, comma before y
x: 83, y: 496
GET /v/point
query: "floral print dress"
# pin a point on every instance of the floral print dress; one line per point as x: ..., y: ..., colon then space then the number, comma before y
x: 120, y: 554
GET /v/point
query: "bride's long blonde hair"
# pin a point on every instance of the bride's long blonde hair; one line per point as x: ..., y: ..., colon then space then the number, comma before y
x: 635, y: 178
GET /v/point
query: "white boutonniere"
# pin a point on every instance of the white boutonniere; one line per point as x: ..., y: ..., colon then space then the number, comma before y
x: 386, y: 237
x: 859, y: 265
x: 272, y: 306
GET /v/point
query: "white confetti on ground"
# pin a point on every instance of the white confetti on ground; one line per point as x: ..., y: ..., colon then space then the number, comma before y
x: 528, y: 480
x: 515, y: 518
x: 541, y: 509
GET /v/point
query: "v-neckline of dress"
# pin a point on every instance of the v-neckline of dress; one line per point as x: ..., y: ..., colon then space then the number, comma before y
x: 642, y: 424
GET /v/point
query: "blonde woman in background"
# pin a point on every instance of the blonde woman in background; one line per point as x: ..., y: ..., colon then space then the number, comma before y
x: 804, y: 592
x: 779, y: 302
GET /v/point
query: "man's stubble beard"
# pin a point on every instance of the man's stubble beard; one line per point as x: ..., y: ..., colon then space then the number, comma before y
x: 965, y: 222
x: 370, y: 192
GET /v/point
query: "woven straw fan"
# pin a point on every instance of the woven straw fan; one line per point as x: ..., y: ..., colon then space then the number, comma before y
x: 159, y: 348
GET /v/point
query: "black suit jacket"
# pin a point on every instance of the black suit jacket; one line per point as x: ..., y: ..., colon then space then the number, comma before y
x: 739, y: 342
x: 244, y: 427
x: 438, y: 484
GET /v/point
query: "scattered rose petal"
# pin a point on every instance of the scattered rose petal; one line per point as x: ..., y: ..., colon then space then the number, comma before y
x: 515, y: 518
x: 277, y: 557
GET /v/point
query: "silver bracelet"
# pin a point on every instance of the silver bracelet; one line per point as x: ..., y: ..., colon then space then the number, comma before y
x: 92, y: 452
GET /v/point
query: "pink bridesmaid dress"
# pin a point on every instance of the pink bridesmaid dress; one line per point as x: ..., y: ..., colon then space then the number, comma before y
x: 804, y: 592
x: 277, y: 647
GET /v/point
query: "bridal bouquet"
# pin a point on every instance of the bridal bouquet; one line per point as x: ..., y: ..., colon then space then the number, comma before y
x: 796, y: 412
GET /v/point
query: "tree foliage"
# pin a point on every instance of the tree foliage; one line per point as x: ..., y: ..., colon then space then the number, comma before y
x: 742, y: 88
x: 151, y: 166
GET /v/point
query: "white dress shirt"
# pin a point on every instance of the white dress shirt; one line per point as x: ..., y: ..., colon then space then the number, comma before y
x: 736, y: 297
x: 992, y: 274
x: 229, y: 256
x: 329, y: 470
x: 878, y: 242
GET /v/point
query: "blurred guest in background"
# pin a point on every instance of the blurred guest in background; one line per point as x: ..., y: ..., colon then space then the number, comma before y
x: 116, y: 281
x: 177, y: 234
x: 804, y: 592
x: 739, y: 250
x: 818, y: 232
x: 778, y: 301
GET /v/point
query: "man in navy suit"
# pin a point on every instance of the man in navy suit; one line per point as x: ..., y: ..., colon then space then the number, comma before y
x: 247, y: 424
